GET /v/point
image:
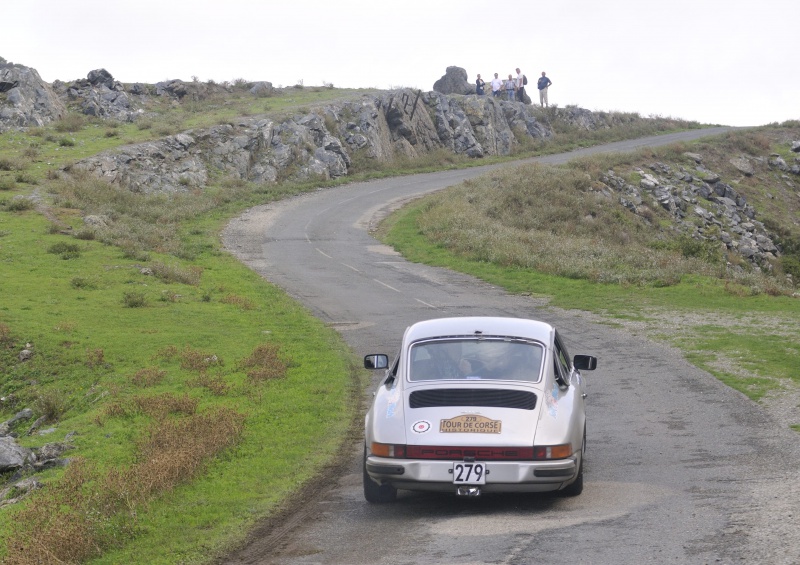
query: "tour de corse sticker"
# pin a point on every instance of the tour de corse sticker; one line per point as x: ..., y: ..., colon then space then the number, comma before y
x: 421, y: 427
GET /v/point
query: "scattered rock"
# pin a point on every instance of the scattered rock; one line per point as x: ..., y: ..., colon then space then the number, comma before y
x: 743, y: 166
x: 12, y: 455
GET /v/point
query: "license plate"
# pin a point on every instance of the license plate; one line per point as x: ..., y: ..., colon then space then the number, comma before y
x: 469, y: 473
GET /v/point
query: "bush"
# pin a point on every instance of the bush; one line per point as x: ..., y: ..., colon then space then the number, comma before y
x: 70, y: 123
x: 82, y: 283
x: 51, y: 405
x: 134, y: 299
x: 790, y: 265
x: 65, y: 250
x: 86, y: 234
x: 172, y: 273
x: 20, y: 204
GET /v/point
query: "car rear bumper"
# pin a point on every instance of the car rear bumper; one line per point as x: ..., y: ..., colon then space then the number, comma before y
x: 502, y: 476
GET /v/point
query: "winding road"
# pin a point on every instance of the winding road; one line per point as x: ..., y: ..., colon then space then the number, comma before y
x: 680, y: 468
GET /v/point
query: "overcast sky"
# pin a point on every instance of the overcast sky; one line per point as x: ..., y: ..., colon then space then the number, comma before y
x: 729, y: 62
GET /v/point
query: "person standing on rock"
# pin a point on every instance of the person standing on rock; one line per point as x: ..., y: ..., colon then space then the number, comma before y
x: 479, y: 86
x: 542, y: 85
x: 497, y: 85
x: 510, y: 86
x: 519, y: 86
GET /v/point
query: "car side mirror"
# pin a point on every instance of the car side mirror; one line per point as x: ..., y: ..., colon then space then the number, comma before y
x: 585, y: 362
x: 376, y: 361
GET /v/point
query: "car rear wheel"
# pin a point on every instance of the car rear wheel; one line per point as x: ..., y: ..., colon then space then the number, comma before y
x: 375, y: 493
x: 576, y: 487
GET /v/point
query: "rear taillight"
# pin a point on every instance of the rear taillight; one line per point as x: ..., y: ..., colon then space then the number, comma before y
x: 388, y: 450
x: 562, y: 451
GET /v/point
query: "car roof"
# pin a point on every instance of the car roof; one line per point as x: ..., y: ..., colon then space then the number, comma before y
x: 486, y: 325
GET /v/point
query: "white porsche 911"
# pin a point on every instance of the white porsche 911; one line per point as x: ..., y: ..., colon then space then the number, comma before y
x: 477, y: 404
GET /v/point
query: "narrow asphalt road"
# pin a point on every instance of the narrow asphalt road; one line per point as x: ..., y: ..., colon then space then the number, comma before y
x: 680, y: 469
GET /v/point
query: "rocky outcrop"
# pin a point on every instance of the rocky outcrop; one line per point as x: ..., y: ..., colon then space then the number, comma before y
x: 322, y: 143
x: 18, y: 463
x: 25, y: 99
x: 702, y: 206
x: 101, y: 96
x: 454, y: 81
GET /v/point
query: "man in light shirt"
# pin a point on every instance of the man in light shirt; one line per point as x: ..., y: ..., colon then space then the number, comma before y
x: 497, y: 85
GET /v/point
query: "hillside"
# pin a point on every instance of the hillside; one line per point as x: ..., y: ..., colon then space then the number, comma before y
x: 132, y: 346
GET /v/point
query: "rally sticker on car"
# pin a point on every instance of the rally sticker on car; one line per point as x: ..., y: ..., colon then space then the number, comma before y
x: 421, y: 427
x: 470, y: 424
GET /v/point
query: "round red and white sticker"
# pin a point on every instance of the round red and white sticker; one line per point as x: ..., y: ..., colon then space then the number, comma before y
x: 421, y: 427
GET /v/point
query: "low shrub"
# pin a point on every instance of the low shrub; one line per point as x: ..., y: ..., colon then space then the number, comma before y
x: 790, y: 265
x: 82, y: 283
x: 134, y: 299
x: 65, y: 250
x: 174, y: 273
x: 51, y: 405
x: 86, y: 234
x: 72, y: 122
x: 20, y: 204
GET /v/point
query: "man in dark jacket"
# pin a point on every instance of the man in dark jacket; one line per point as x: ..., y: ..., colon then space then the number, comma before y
x: 542, y: 85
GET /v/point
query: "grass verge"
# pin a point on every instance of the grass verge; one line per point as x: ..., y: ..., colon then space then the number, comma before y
x: 508, y: 228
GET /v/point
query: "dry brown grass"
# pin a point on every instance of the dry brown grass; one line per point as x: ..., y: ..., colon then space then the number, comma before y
x: 265, y: 363
x: 216, y: 385
x: 161, y: 405
x: 5, y: 335
x: 167, y: 352
x: 174, y: 273
x: 148, y: 376
x: 76, y: 518
x: 95, y: 358
x: 158, y: 406
x: 239, y: 301
x: 196, y: 360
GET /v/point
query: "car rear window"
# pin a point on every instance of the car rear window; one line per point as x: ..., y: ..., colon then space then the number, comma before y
x: 476, y: 360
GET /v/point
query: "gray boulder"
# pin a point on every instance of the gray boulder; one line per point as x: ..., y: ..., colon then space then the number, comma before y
x: 25, y: 99
x: 262, y: 89
x: 12, y: 455
x: 743, y: 166
x: 454, y: 81
x: 100, y: 77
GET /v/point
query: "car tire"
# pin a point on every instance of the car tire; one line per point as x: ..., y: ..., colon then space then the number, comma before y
x: 375, y: 493
x: 576, y: 487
